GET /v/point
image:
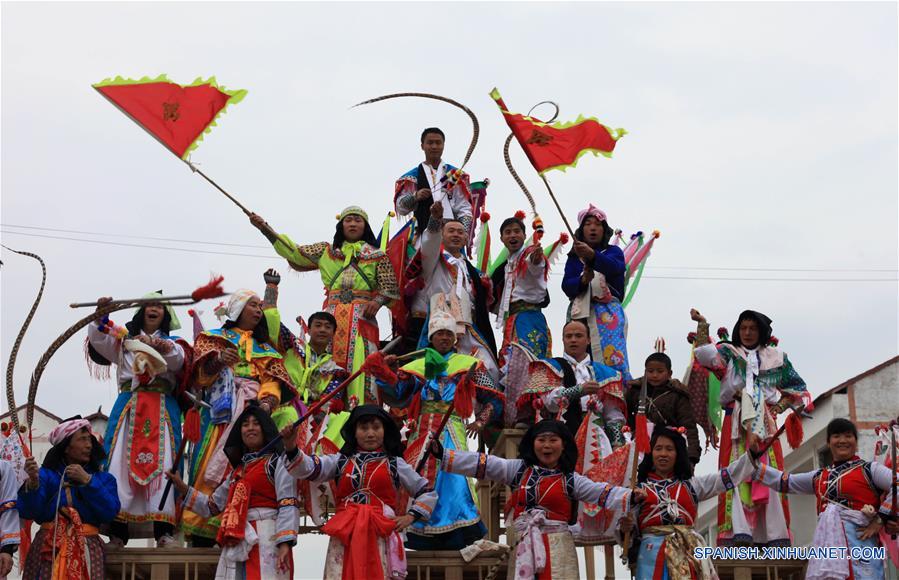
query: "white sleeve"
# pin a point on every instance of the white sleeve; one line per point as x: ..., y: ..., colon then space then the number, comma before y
x: 424, y: 499
x: 313, y: 467
x: 430, y: 251
x: 106, y: 345
x: 708, y: 356
x: 480, y: 465
x: 207, y: 506
x: 288, y: 506
x: 881, y: 476
x: 801, y: 483
x: 174, y: 360
x: 9, y: 515
x: 712, y: 484
x: 601, y: 494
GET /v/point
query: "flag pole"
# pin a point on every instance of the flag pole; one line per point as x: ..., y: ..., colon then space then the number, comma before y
x: 218, y: 187
x: 558, y: 207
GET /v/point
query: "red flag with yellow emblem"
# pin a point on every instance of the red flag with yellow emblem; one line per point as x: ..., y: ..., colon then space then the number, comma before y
x: 176, y: 115
x: 559, y: 145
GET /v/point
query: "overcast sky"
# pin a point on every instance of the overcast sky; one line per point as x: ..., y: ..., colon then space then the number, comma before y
x: 762, y: 142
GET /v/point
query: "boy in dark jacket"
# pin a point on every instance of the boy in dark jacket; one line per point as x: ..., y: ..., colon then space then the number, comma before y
x: 667, y: 401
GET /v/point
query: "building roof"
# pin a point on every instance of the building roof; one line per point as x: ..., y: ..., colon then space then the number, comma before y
x: 98, y: 415
x: 855, y: 379
x: 36, y: 408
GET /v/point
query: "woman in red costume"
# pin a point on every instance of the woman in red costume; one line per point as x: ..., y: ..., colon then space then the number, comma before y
x: 544, y: 501
x: 368, y: 472
x: 662, y: 548
x: 257, y: 502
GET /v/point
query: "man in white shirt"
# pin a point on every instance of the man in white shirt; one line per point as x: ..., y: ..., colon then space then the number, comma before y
x: 429, y: 182
x: 440, y: 267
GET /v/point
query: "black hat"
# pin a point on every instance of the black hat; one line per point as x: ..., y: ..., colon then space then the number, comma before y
x: 763, y: 322
x: 235, y: 449
x: 567, y: 461
x: 393, y: 444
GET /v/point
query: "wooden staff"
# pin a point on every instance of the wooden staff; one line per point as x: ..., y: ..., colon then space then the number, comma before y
x: 435, y: 436
x: 318, y: 405
x: 641, y: 410
x: 558, y: 207
x: 198, y: 402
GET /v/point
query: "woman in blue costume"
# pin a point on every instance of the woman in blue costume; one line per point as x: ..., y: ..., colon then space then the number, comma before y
x: 69, y: 497
x: 429, y: 385
x: 594, y: 281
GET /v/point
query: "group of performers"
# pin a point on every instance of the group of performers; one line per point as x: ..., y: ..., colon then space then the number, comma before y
x: 386, y: 436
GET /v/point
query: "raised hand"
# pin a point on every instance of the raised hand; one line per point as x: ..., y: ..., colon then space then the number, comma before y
x: 77, y: 475
x: 271, y: 276
x: 696, y: 316
x: 584, y: 251
x: 33, y: 472
x: 103, y: 301
x: 289, y: 437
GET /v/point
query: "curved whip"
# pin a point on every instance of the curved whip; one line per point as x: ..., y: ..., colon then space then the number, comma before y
x: 54, y: 346
x: 211, y: 290
x: 511, y: 169
x: 10, y: 393
x: 476, y: 127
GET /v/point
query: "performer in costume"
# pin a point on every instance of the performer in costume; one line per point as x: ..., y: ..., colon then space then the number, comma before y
x: 70, y: 498
x: 358, y: 279
x: 519, y: 292
x: 9, y: 517
x: 447, y: 272
x: 848, y: 492
x: 667, y: 401
x: 663, y: 542
x: 369, y: 473
x: 144, y: 427
x: 544, y: 500
x: 589, y: 398
x: 233, y: 365
x: 758, y: 382
x: 424, y: 184
x: 456, y: 521
x: 310, y: 364
x: 594, y: 280
x: 257, y: 503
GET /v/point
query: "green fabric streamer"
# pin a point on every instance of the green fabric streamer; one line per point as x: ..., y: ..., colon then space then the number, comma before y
x: 714, y: 405
x: 434, y: 363
x: 633, y: 286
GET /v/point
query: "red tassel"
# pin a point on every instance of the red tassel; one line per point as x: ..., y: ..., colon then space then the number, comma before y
x: 520, y: 214
x: 794, y: 431
x: 642, y: 434
x: 191, y: 429
x: 211, y: 290
x: 463, y: 398
x: 25, y: 543
x: 484, y: 217
x: 563, y: 238
x: 374, y: 365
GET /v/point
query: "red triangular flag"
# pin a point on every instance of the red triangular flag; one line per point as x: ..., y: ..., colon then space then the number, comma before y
x: 176, y: 115
x: 560, y: 145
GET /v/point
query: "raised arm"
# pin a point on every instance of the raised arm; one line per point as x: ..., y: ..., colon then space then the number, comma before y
x: 799, y: 483
x: 712, y: 484
x: 480, y: 465
x: 315, y: 468
x: 108, y: 346
x: 204, y: 505
x: 602, y: 494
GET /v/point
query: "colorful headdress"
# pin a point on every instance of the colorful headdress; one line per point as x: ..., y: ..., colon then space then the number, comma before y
x: 235, y: 306
x: 441, y: 320
x: 67, y: 428
x: 591, y: 210
x: 175, y: 323
x: 353, y: 210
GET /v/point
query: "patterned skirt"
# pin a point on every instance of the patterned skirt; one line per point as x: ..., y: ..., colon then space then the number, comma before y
x: 39, y: 565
